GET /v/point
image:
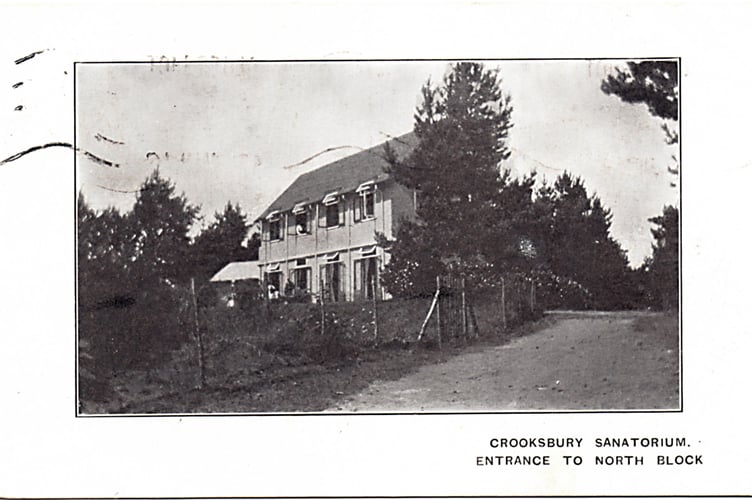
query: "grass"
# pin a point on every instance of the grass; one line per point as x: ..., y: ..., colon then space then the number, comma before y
x: 280, y: 370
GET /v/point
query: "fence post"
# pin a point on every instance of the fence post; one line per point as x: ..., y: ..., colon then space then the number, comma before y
x: 532, y: 297
x: 464, y: 310
x: 375, y: 312
x: 438, y: 308
x: 474, y: 320
x: 428, y: 316
x: 197, y: 334
x: 503, y: 305
x: 321, y: 301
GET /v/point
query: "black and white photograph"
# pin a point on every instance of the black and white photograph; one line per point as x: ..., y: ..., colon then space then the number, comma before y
x: 378, y: 236
x: 374, y: 249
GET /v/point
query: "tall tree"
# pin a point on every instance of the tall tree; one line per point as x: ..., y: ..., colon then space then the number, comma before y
x: 462, y: 128
x: 222, y: 242
x: 519, y: 225
x: 581, y: 247
x: 654, y: 83
x: 102, y: 253
x: 160, y: 223
x: 663, y: 266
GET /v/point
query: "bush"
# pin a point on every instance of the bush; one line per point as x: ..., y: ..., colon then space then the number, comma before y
x: 135, y: 330
x: 301, y: 335
x: 557, y: 292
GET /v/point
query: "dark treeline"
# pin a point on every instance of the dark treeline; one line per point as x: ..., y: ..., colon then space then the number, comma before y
x: 135, y: 271
x: 476, y: 218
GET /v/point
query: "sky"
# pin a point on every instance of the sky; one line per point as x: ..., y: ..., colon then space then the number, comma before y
x: 237, y: 131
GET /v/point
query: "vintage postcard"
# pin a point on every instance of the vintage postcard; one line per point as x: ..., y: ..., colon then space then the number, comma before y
x: 249, y: 257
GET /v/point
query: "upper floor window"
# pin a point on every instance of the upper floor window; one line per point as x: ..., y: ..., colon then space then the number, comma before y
x: 365, y: 201
x: 302, y: 220
x: 275, y: 226
x: 333, y: 213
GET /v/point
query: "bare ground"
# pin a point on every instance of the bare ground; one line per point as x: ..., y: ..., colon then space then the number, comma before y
x: 583, y: 361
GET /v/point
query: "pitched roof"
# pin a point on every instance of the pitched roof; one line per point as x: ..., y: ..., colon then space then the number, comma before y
x: 343, y: 175
x: 237, y: 271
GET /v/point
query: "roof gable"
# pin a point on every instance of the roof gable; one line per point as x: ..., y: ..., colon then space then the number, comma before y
x: 343, y: 175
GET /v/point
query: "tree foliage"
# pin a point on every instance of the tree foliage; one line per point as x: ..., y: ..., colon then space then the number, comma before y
x: 462, y: 128
x: 223, y: 241
x: 654, y: 83
x: 160, y: 223
x: 662, y: 268
x: 133, y: 274
x: 581, y: 247
x: 473, y: 215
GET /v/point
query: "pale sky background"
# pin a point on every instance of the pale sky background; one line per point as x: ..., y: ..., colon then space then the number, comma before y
x: 225, y: 131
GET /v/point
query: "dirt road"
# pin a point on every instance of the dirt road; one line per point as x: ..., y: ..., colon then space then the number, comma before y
x: 626, y: 360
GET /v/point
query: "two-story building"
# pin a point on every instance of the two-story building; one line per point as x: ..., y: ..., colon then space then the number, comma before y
x: 320, y: 233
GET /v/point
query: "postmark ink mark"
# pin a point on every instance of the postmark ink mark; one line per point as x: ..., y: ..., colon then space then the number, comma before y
x: 28, y: 56
x: 101, y: 137
x: 89, y: 155
x: 120, y: 190
x: 16, y: 85
x: 313, y: 157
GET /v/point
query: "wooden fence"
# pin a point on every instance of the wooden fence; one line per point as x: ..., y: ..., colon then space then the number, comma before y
x: 453, y: 313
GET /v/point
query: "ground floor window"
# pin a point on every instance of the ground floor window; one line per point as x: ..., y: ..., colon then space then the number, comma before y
x: 301, y: 278
x: 366, y: 278
x: 273, y: 281
x: 332, y: 282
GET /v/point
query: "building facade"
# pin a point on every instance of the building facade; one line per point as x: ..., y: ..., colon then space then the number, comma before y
x: 319, y: 236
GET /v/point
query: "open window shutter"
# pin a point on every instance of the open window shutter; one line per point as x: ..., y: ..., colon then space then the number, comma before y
x: 291, y: 228
x: 358, y: 279
x: 356, y: 208
x: 342, y: 280
x: 378, y: 202
x: 341, y: 209
x: 322, y: 215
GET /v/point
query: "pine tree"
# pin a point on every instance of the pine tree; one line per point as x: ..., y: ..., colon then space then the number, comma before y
x: 160, y: 223
x: 102, y: 253
x: 222, y: 242
x: 654, y: 83
x: 462, y: 128
x: 581, y: 247
x: 663, y: 266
